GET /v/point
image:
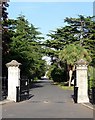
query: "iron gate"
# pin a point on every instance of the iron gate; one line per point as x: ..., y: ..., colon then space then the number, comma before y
x: 4, y: 88
x: 24, y: 89
x: 91, y: 90
x: 75, y: 87
x: 91, y: 95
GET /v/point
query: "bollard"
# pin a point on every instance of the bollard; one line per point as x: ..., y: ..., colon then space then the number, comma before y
x: 17, y: 93
x: 75, y: 94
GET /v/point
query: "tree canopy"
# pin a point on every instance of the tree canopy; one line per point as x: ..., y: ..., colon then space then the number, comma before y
x: 71, y: 42
x: 73, y: 53
x: 78, y: 31
x: 24, y: 40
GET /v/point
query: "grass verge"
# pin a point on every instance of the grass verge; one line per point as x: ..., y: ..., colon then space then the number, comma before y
x: 64, y: 86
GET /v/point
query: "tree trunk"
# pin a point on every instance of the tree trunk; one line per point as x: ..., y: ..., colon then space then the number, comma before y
x: 70, y: 77
x: 70, y: 74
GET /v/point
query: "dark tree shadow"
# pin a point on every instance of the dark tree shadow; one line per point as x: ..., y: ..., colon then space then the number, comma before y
x: 25, y: 97
x: 35, y: 85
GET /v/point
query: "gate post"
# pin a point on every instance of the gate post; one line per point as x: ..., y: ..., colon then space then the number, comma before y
x: 13, y: 79
x: 81, y: 81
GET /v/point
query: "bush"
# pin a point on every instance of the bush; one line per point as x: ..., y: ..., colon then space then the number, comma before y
x: 91, y: 79
x: 57, y: 74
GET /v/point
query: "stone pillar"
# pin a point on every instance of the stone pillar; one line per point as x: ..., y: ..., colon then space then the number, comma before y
x: 13, y: 79
x: 82, y: 81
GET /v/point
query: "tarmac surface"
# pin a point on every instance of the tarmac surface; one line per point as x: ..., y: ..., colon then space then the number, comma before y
x: 47, y: 101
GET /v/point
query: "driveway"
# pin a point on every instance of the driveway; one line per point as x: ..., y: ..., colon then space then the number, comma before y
x: 47, y: 101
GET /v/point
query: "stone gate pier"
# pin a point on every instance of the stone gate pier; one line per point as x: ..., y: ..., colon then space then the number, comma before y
x: 82, y: 81
x: 13, y: 79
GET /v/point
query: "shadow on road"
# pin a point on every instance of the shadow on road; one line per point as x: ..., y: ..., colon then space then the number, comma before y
x: 36, y: 85
x: 40, y: 83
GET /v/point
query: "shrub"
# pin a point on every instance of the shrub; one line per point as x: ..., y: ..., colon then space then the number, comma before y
x: 57, y: 74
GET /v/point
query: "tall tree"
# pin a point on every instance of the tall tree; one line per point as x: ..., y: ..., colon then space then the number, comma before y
x: 84, y: 32
x: 71, y: 54
x: 24, y: 47
x: 5, y: 34
x: 79, y: 30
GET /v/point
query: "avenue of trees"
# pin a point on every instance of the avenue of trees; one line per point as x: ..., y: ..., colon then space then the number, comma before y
x: 70, y: 43
x: 23, y: 42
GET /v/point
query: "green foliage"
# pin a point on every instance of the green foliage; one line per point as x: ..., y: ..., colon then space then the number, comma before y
x: 25, y: 47
x: 49, y: 72
x: 80, y: 30
x: 5, y: 34
x: 71, y: 53
x: 91, y: 77
x: 72, y: 42
x: 23, y: 42
x: 56, y: 74
x: 85, y: 33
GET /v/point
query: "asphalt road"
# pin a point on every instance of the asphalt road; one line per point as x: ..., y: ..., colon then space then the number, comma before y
x: 47, y: 101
